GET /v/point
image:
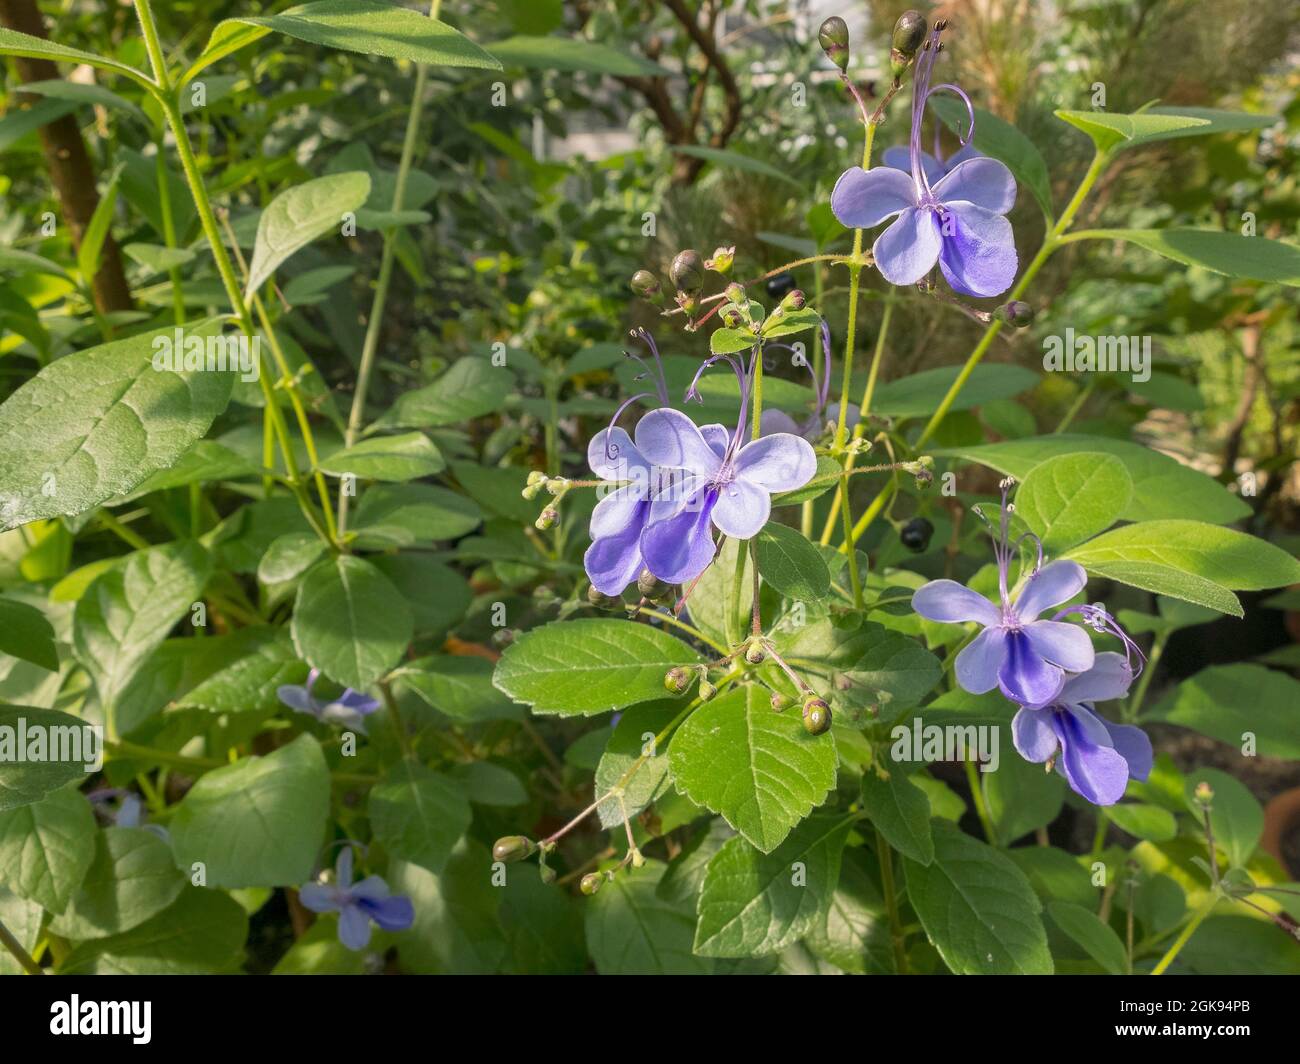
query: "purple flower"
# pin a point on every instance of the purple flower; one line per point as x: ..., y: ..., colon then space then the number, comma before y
x: 358, y: 905
x: 934, y: 166
x: 956, y: 221
x: 1026, y: 658
x: 1095, y: 756
x: 349, y: 710
x: 722, y: 484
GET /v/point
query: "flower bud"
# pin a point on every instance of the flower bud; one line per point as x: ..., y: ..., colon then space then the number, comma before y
x: 735, y: 292
x: 754, y: 654
x: 646, y: 285
x: 600, y: 600
x: 547, y: 518
x: 678, y: 679
x: 707, y: 690
x: 796, y: 300
x: 909, y: 32
x: 557, y: 486
x: 513, y: 848
x: 638, y: 858
x: 779, y: 702
x: 722, y: 260
x: 547, y: 873
x: 536, y: 477
x: 1204, y: 793
x: 1017, y: 313
x: 590, y: 883
x: 687, y: 272
x: 651, y: 586
x: 503, y: 637
x: 816, y: 716
x: 834, y: 39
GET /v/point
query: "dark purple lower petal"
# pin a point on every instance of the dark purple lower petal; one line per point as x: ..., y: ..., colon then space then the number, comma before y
x: 613, y: 562
x: 979, y: 250
x: 392, y: 914
x: 1133, y: 746
x: 1095, y: 770
x: 679, y: 548
x: 1025, y: 677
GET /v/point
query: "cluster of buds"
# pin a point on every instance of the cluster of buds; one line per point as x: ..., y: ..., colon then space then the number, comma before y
x: 921, y: 469
x: 556, y: 487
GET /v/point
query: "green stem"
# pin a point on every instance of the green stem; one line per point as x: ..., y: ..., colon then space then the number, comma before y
x: 886, y: 857
x: 375, y: 322
x: 1075, y: 407
x: 1187, y: 933
x: 735, y: 625
x: 15, y: 947
x: 981, y: 807
x: 756, y: 396
x: 403, y: 740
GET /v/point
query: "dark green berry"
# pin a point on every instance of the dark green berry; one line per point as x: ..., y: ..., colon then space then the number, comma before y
x: 816, y: 716
x: 916, y: 534
x: 513, y: 848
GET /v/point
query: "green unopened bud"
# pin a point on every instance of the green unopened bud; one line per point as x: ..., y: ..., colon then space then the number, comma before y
x: 547, y: 518
x: 735, y: 292
x: 722, y: 260
x: 602, y: 601
x: 1017, y: 313
x: 687, y: 272
x: 678, y: 679
x: 557, y: 486
x: 816, y: 716
x: 909, y: 32
x: 590, y: 883
x: 651, y: 586
x: 754, y: 654
x: 707, y: 690
x: 536, y: 477
x: 780, y: 702
x: 513, y: 848
x: 834, y: 39
x: 503, y: 637
x: 638, y: 858
x: 1204, y: 793
x: 547, y: 873
x: 796, y: 300
x: 731, y: 318
x: 646, y: 285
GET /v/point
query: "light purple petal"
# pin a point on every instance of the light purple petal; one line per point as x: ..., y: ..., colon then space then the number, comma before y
x: 614, y: 561
x: 742, y: 509
x: 131, y: 813
x: 1032, y: 732
x: 773, y: 421
x: 679, y: 548
x: 1050, y: 586
x: 357, y: 701
x: 392, y: 914
x: 908, y: 249
x: 320, y: 898
x: 954, y: 603
x: 981, y: 660
x: 982, y: 181
x: 372, y: 888
x: 1108, y: 678
x: 668, y: 438
x: 960, y: 156
x: 780, y: 462
x: 1092, y: 766
x: 1025, y: 677
x: 979, y: 250
x: 354, y: 927
x: 343, y: 868
x: 627, y: 464
x: 862, y: 199
x: 296, y: 697
x: 348, y: 719
x: 617, y: 510
x: 718, y: 437
x: 900, y: 158
x: 1133, y: 746
x: 1066, y: 645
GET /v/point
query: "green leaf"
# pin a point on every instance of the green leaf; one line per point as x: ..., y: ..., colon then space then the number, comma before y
x: 901, y: 812
x: 633, y: 739
x: 725, y: 341
x: 789, y: 322
x: 1090, y: 934
x: 1255, y: 258
x: 259, y: 822
x: 791, y: 564
x: 25, y: 781
x: 299, y: 215
x: 572, y: 54
x: 132, y: 878
x: 978, y: 908
x: 1212, y: 702
x: 248, y: 684
x: 457, y: 927
x: 20, y: 261
x: 26, y: 634
x: 760, y: 770
x: 47, y: 847
x: 755, y: 903
x: 402, y: 514
x: 632, y: 931
x: 853, y: 933
x: 158, y: 257
x: 472, y: 387
x: 589, y: 666
x: 25, y: 920
x: 418, y: 815
x: 289, y: 556
x: 350, y: 622
x: 1162, y: 488
x: 1021, y: 797
x: 201, y: 933
x: 1144, y: 821
x: 353, y: 26
x: 404, y: 457
x: 460, y: 687
x: 203, y: 463
x: 92, y: 240
x: 129, y: 610
x: 1188, y: 560
x: 712, y: 598
x: 1004, y: 142
x: 318, y: 951
x: 439, y: 596
x: 734, y: 160
x: 1235, y: 814
x: 1072, y: 497
x: 1126, y: 131
x: 22, y: 44
x: 543, y: 928
x: 913, y: 396
x: 94, y: 424
x: 484, y: 783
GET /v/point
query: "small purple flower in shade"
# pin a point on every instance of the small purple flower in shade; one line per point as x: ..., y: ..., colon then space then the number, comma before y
x: 130, y: 813
x: 349, y: 710
x: 1096, y: 757
x: 956, y: 221
x: 358, y: 905
x: 723, y: 485
x: 1026, y: 658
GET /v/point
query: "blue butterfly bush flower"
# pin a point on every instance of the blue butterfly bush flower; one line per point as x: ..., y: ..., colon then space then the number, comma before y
x: 955, y: 219
x: 1096, y: 757
x: 358, y: 904
x: 1048, y: 666
x: 349, y: 710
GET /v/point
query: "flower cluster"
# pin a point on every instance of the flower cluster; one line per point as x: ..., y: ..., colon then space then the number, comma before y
x: 1047, y: 666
